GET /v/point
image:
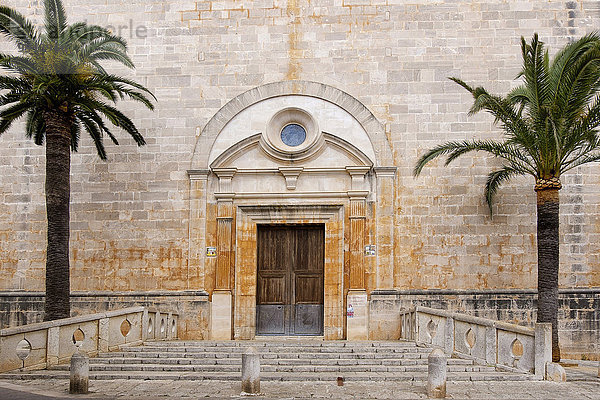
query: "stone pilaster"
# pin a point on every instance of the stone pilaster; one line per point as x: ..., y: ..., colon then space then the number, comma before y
x: 196, y: 263
x: 357, y: 215
x: 384, y: 223
x: 221, y: 311
x: 357, y: 315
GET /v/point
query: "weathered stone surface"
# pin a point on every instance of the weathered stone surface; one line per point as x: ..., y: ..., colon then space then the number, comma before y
x: 436, y: 374
x: 358, y: 318
x: 251, y: 371
x: 220, y: 315
x: 555, y: 372
x: 543, y: 348
x: 375, y: 74
x: 80, y: 373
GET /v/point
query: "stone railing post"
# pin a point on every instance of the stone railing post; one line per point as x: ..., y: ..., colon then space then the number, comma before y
x: 103, y: 333
x: 416, y: 327
x: 543, y: 348
x: 449, y: 338
x: 436, y: 374
x: 145, y: 320
x: 52, y: 346
x: 251, y: 371
x: 491, y: 344
x: 80, y: 373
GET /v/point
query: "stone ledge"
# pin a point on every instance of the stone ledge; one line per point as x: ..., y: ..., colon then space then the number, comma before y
x: 69, y: 321
x: 160, y: 293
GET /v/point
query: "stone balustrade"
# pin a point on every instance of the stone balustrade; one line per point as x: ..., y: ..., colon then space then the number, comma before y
x: 506, y: 346
x: 40, y: 345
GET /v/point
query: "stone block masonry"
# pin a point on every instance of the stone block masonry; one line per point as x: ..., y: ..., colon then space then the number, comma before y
x: 579, y: 317
x: 21, y: 308
x: 131, y: 216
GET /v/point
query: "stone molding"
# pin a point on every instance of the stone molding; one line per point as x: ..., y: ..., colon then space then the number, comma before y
x: 223, y: 161
x: 374, y: 129
x: 273, y: 145
x: 247, y: 217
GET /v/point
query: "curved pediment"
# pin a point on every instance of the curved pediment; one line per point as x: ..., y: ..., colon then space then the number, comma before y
x: 252, y: 153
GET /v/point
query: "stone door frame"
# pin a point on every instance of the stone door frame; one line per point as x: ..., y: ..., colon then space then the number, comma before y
x: 247, y: 218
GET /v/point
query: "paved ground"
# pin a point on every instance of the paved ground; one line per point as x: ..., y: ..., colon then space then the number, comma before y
x: 583, y: 384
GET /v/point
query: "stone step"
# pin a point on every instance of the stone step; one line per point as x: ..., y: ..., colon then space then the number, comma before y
x: 275, y: 368
x: 280, y: 349
x: 280, y: 360
x: 267, y: 361
x: 273, y: 376
x: 269, y: 355
x: 283, y: 343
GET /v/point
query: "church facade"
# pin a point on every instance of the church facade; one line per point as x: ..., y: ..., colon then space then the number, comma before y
x: 275, y: 195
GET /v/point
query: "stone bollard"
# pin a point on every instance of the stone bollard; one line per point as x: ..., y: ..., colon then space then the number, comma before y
x: 436, y: 374
x: 80, y: 373
x: 251, y: 371
x: 555, y: 372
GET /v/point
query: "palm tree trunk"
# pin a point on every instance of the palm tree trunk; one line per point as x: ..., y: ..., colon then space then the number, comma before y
x: 548, y: 262
x: 58, y: 191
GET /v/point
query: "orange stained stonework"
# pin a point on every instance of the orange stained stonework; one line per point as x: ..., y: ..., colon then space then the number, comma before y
x: 225, y: 252
x: 245, y: 267
x: 357, y: 244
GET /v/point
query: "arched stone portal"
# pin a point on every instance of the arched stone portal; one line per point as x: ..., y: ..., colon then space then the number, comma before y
x: 293, y: 155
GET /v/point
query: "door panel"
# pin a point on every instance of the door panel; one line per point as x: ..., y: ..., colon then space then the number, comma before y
x: 308, y: 319
x: 271, y: 319
x: 271, y: 289
x: 290, y: 262
x: 309, y: 289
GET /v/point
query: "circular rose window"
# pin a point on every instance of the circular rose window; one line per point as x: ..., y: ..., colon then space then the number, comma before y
x: 293, y: 135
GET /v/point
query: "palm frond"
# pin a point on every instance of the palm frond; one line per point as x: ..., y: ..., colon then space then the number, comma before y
x: 35, y: 127
x: 495, y: 179
x: 20, y: 65
x: 13, y: 83
x: 15, y: 111
x: 454, y: 150
x: 75, y: 133
x: 108, y: 51
x: 585, y: 159
x: 561, y: 74
x: 62, y: 69
x: 501, y: 109
x: 95, y: 132
x: 535, y: 74
x: 117, y: 118
x: 56, y: 19
x: 18, y: 29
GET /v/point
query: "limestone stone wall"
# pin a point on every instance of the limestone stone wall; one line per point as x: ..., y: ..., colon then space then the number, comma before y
x: 130, y: 215
x: 579, y: 312
x: 26, y: 307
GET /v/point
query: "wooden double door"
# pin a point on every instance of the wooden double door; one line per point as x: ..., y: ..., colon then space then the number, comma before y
x: 290, y: 279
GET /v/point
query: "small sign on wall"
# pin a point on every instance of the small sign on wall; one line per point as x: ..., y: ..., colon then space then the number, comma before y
x: 211, y: 251
x: 350, y: 311
x: 370, y: 250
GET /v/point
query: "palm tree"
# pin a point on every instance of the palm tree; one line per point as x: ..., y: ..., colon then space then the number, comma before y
x: 58, y: 85
x: 549, y: 126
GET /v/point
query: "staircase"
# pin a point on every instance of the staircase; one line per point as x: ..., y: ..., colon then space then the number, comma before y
x: 285, y: 360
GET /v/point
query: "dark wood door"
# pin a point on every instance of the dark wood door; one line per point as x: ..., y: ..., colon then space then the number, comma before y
x: 290, y: 279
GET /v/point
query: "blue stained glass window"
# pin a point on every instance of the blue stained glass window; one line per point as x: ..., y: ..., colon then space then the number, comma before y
x: 293, y: 135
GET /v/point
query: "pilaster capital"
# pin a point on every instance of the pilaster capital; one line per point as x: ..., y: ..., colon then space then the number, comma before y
x: 198, y: 174
x: 385, y: 171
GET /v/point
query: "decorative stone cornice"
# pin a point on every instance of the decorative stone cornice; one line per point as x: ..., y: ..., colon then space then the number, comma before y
x: 385, y: 171
x: 198, y: 174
